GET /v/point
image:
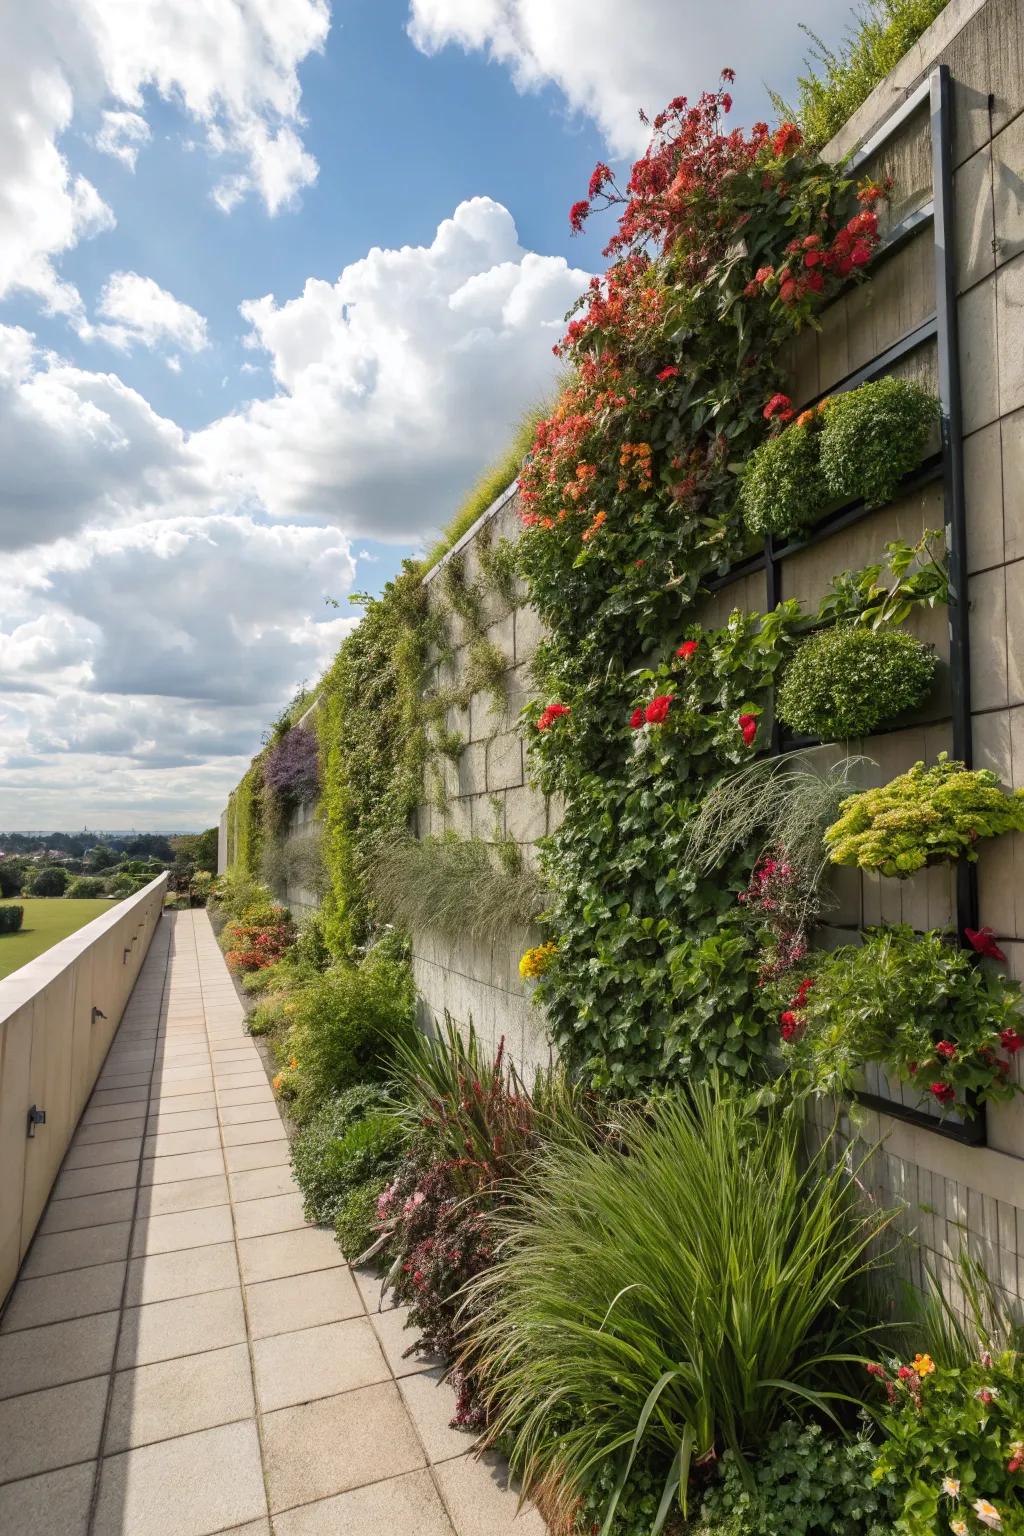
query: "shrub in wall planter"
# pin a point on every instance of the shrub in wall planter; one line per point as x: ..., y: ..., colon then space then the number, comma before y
x: 849, y: 680
x: 783, y: 488
x: 911, y: 1003
x: 873, y: 436
x: 926, y: 816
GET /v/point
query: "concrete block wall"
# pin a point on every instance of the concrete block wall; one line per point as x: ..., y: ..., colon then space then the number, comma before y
x: 486, y: 795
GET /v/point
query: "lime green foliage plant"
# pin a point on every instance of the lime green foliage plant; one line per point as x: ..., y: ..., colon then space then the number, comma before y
x: 805, y: 1483
x: 925, y: 816
x: 782, y: 486
x: 849, y: 680
x: 714, y: 1312
x: 953, y: 1454
x: 455, y: 886
x: 350, y: 1141
x: 887, y: 592
x: 873, y: 436
x: 912, y: 1003
x: 346, y: 1024
x: 355, y: 1221
x: 839, y: 79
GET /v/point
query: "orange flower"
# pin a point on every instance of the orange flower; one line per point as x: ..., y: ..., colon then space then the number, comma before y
x: 598, y: 522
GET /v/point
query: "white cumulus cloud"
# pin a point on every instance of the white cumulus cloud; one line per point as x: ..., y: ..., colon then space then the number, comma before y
x: 609, y: 59
x: 122, y: 135
x: 138, y: 312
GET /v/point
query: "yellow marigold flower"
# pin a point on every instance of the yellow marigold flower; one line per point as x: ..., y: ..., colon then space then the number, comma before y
x: 275, y: 1082
x: 924, y: 1365
x: 536, y: 961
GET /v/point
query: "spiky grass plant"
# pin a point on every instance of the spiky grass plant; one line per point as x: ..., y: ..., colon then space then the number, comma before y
x: 673, y: 1299
x: 458, y: 887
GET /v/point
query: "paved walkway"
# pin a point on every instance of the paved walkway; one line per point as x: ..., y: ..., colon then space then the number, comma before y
x: 182, y: 1354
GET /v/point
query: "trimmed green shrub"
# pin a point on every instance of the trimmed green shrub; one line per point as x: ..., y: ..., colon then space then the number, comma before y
x: 925, y: 816
x: 782, y: 487
x: 805, y: 1483
x: 721, y: 1300
x: 355, y: 1224
x: 872, y: 436
x: 847, y: 681
x: 345, y: 1026
x: 51, y: 881
x: 84, y: 887
x: 351, y: 1140
x: 11, y: 918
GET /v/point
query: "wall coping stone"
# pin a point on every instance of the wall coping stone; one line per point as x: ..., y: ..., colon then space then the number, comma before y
x: 472, y: 531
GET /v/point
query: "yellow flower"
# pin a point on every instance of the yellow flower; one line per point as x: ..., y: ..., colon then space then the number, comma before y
x: 924, y: 1365
x: 294, y: 1064
x: 536, y: 961
x: 988, y: 1514
x: 275, y: 1082
x: 951, y: 1485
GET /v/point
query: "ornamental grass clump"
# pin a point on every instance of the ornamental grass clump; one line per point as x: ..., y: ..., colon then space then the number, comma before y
x: 926, y: 816
x: 674, y: 1299
x: 849, y: 680
x: 913, y: 1004
x: 873, y: 436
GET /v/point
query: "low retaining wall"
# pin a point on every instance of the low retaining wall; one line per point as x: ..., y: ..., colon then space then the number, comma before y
x: 52, y: 1046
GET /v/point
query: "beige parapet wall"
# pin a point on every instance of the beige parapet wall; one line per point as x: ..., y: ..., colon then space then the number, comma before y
x: 58, y: 1015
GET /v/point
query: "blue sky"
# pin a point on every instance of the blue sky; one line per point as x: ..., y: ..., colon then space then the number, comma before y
x: 188, y: 483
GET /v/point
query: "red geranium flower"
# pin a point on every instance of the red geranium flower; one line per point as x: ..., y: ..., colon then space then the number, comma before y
x: 687, y: 649
x: 763, y: 274
x: 1011, y: 1041
x: 984, y: 941
x: 636, y: 719
x: 786, y: 138
x: 946, y: 1049
x: 748, y: 725
x: 657, y: 709
x: 943, y: 1092
x: 551, y: 714
x: 779, y: 408
x: 668, y: 373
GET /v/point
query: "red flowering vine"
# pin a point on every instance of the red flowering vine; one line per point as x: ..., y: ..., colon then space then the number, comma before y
x: 552, y: 713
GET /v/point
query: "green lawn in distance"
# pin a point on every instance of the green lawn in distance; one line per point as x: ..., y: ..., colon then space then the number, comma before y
x: 48, y: 919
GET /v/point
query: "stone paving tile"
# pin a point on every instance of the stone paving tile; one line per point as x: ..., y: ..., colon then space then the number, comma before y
x: 109, y: 1130
x: 371, y: 1289
x: 301, y: 1301
x: 255, y: 1131
x: 55, y: 1502
x: 93, y: 1181
x: 275, y: 1213
x: 188, y: 1325
x: 317, y: 1362
x: 408, y: 1505
x: 52, y: 1253
x: 182, y: 1229
x: 52, y: 1428
x: 287, y: 1253
x: 258, y: 1183
x: 260, y: 1154
x: 91, y: 1154
x: 481, y: 1500
x: 395, y: 1339
x: 230, y: 1098
x: 186, y: 1272
x: 104, y: 1114
x: 183, y: 1195
x: 183, y: 1165
x: 34, y: 1358
x: 53, y: 1298
x: 88, y: 1211
x: 431, y: 1404
x: 191, y: 1486
x: 244, y: 1114
x: 173, y: 1143
x: 178, y: 1397
x: 337, y: 1443
x: 164, y: 1123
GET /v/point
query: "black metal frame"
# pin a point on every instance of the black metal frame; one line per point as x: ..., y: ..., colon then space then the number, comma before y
x: 935, y: 92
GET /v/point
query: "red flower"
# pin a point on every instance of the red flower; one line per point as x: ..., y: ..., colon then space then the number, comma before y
x: 728, y: 75
x: 748, y: 725
x: 788, y: 294
x: 812, y: 258
x: 551, y: 714
x: 669, y: 373
x: 1011, y: 1041
x: 657, y: 709
x: 578, y: 215
x: 875, y: 1370
x: 688, y: 648
x: 789, y: 1025
x: 779, y: 408
x: 601, y: 174
x: 636, y: 719
x: 861, y: 254
x: 943, y: 1092
x: 946, y: 1049
x: 787, y: 138
x: 984, y: 941
x: 814, y: 282
x: 763, y: 274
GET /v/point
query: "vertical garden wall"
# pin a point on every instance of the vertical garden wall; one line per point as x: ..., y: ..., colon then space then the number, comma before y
x: 704, y: 545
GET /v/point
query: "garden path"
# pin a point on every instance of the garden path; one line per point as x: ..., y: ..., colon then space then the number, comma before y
x: 183, y: 1354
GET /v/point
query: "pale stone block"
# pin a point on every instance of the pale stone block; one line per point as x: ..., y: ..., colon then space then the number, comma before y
x: 1010, y: 331
x: 983, y: 489
x: 992, y: 744
x: 529, y: 632
x: 504, y: 762
x: 1008, y: 191
x: 1005, y: 22
x: 525, y: 815
x: 987, y: 592
x: 1012, y: 439
x: 472, y: 769
x: 975, y: 226
x: 1015, y: 633
x: 979, y: 374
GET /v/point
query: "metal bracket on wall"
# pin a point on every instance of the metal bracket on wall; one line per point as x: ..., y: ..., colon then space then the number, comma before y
x: 36, y: 1116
